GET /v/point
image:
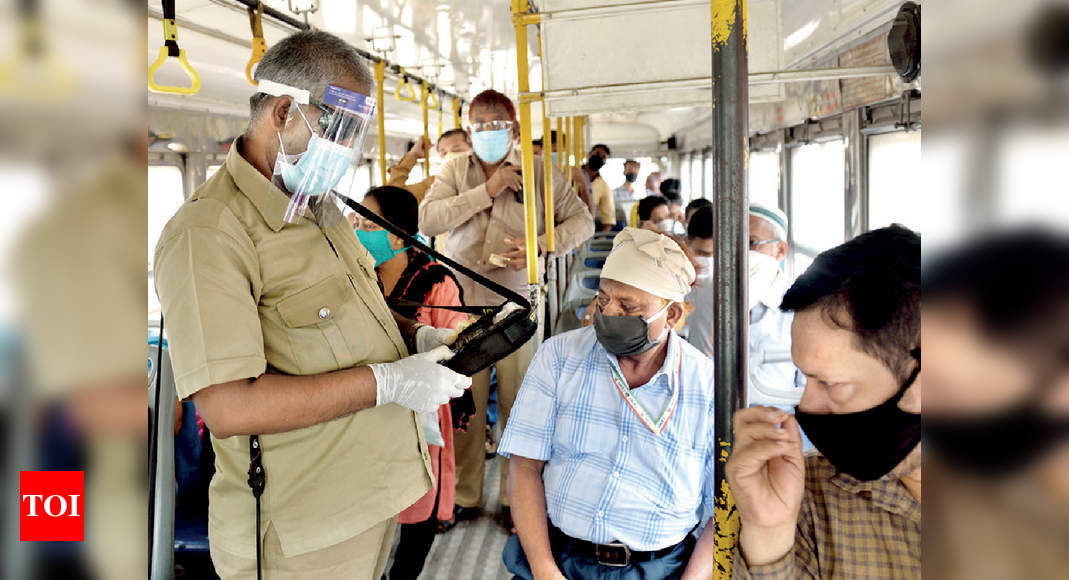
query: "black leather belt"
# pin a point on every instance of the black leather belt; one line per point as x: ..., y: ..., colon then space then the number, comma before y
x: 615, y: 555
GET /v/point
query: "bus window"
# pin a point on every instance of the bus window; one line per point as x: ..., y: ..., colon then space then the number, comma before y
x: 817, y: 204
x: 164, y: 197
x: 707, y: 186
x: 762, y: 178
x: 1031, y: 176
x: 697, y: 189
x: 894, y: 170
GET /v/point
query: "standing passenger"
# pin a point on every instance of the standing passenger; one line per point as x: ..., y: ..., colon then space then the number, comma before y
x: 478, y: 200
x: 452, y: 143
x: 279, y: 330
x: 602, y: 195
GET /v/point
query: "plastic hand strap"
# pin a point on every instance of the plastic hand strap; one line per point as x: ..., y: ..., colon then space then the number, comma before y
x: 402, y: 86
x: 259, y: 45
x: 170, y: 48
x: 432, y: 98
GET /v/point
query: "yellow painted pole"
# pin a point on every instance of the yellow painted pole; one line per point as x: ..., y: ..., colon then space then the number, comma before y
x: 457, y: 121
x: 562, y: 153
x: 519, y: 8
x: 547, y: 173
x: 439, y: 118
x: 380, y: 77
x: 423, y: 96
x: 577, y: 140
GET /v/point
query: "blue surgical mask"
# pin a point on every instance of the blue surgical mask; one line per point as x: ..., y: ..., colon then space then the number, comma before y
x: 553, y: 157
x: 491, y: 146
x: 377, y: 243
x: 316, y: 170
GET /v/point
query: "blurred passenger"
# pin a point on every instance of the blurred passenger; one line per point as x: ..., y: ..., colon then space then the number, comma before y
x: 653, y: 183
x: 279, y: 330
x: 477, y: 199
x: 452, y: 143
x: 579, y: 179
x: 627, y: 191
x: 996, y: 330
x: 770, y: 368
x: 611, y: 437
x: 410, y: 278
x: 670, y: 189
x: 652, y: 214
x: 852, y: 510
x: 768, y: 231
x: 693, y: 206
x: 605, y: 217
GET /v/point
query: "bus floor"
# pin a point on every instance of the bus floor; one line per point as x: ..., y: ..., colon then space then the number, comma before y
x: 471, y: 549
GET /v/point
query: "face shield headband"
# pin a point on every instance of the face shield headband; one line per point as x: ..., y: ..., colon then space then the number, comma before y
x: 335, y: 129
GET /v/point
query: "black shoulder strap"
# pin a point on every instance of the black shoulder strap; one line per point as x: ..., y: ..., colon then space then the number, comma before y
x: 478, y: 278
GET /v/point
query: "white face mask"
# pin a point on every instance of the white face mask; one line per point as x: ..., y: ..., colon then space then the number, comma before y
x: 666, y: 226
x: 707, y: 265
x: 764, y: 277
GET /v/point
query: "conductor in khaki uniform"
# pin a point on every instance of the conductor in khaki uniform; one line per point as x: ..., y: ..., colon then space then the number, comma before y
x: 279, y: 330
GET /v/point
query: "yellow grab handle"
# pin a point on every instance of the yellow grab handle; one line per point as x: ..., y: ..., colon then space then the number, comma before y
x: 170, y: 33
x: 432, y: 98
x: 404, y: 84
x: 259, y: 45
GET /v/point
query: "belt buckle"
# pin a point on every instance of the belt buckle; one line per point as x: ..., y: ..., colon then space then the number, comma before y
x: 599, y: 555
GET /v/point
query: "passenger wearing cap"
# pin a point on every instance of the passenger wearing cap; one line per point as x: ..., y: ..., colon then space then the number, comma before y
x: 772, y: 374
x: 280, y: 335
x: 611, y: 437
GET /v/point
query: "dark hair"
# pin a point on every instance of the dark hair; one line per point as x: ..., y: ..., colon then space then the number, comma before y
x: 537, y: 142
x: 1016, y: 283
x: 493, y: 99
x: 696, y: 204
x: 603, y: 147
x: 649, y: 203
x: 701, y: 223
x: 670, y: 190
x: 632, y: 161
x: 398, y: 206
x: 452, y: 133
x: 875, y: 280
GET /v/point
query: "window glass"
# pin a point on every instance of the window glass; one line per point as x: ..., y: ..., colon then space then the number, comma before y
x: 708, y: 175
x: 165, y: 194
x: 1032, y: 172
x: 817, y: 198
x: 894, y: 172
x: 762, y: 178
x: 696, y: 175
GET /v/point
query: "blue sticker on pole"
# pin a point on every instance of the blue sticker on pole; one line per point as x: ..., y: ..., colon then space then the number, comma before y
x: 349, y: 101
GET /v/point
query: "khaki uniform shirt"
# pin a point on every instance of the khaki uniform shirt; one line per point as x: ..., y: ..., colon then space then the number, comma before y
x: 848, y: 529
x: 458, y: 203
x: 399, y: 178
x: 244, y: 293
x: 603, y: 201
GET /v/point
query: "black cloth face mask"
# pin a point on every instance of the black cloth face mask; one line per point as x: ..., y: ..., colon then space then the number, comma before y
x: 867, y: 444
x: 630, y: 177
x: 596, y: 162
x: 997, y: 444
x: 625, y: 335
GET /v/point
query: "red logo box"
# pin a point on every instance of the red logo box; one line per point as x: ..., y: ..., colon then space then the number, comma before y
x: 51, y: 506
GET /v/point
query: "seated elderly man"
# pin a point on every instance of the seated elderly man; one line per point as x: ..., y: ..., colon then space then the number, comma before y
x: 611, y: 437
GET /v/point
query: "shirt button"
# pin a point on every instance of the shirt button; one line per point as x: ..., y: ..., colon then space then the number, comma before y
x: 624, y: 437
x: 615, y: 474
x: 598, y: 513
x: 324, y: 312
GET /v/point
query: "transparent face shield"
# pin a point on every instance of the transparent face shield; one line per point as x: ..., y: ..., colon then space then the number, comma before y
x: 319, y: 147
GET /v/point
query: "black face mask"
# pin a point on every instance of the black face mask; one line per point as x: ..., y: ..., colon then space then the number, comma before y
x: 997, y: 444
x: 630, y: 177
x: 870, y: 443
x: 625, y: 335
x: 595, y: 163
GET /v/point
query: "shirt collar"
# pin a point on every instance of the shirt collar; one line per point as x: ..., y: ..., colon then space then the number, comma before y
x: 670, y: 365
x: 889, y: 495
x: 268, y: 199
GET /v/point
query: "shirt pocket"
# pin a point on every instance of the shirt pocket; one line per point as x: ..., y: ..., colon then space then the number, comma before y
x: 312, y: 317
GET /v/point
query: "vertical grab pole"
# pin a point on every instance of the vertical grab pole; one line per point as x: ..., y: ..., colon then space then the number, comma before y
x: 562, y: 153
x: 520, y: 8
x: 578, y: 138
x: 457, y: 121
x: 380, y: 77
x: 730, y: 225
x: 424, y: 94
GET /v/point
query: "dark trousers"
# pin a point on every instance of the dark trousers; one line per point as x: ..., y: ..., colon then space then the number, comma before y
x: 412, y: 550
x: 668, y: 567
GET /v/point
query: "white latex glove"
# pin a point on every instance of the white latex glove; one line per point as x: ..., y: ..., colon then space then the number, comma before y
x: 431, y: 430
x: 418, y: 382
x: 429, y: 338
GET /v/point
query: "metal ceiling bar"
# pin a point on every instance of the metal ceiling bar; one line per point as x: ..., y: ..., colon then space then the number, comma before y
x: 730, y: 231
x: 627, y: 8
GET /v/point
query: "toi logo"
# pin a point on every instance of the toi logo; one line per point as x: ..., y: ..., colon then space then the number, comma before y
x: 51, y: 506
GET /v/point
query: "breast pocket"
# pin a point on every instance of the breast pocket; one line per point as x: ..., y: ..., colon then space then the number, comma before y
x: 315, y: 318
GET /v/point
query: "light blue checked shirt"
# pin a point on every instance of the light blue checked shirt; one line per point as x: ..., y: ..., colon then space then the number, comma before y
x: 608, y: 478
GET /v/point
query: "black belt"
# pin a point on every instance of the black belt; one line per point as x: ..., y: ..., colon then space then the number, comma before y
x: 615, y: 555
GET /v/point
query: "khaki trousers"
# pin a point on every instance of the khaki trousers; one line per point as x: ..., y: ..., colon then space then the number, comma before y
x: 362, y: 557
x: 471, y: 445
